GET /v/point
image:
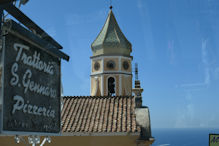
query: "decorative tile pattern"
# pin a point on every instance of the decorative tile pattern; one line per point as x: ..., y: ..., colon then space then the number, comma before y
x: 111, y: 36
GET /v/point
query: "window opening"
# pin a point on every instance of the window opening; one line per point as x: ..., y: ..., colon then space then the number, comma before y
x: 111, y: 86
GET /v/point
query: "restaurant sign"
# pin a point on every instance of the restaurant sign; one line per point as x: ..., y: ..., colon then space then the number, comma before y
x: 31, y: 87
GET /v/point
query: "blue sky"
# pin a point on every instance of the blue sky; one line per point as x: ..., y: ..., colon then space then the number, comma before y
x: 175, y: 43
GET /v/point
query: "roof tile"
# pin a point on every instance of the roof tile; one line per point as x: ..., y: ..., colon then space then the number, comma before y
x: 99, y: 114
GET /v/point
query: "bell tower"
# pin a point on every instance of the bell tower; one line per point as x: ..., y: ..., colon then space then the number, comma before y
x: 111, y: 70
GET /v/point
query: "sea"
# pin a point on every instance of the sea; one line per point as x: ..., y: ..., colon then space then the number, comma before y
x: 182, y: 136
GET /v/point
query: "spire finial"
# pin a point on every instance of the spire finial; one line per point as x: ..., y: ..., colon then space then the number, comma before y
x: 111, y: 5
x: 136, y: 71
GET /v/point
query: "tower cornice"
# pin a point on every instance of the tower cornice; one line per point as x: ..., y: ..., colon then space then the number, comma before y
x: 107, y: 55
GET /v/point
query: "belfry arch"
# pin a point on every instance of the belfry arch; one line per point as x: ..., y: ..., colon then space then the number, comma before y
x: 111, y: 86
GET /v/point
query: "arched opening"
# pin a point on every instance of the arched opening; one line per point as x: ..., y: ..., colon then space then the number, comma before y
x: 111, y: 86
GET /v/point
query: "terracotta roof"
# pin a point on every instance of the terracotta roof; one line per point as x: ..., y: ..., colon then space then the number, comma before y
x: 99, y: 114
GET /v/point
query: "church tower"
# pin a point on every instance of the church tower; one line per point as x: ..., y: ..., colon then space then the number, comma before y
x: 111, y: 71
